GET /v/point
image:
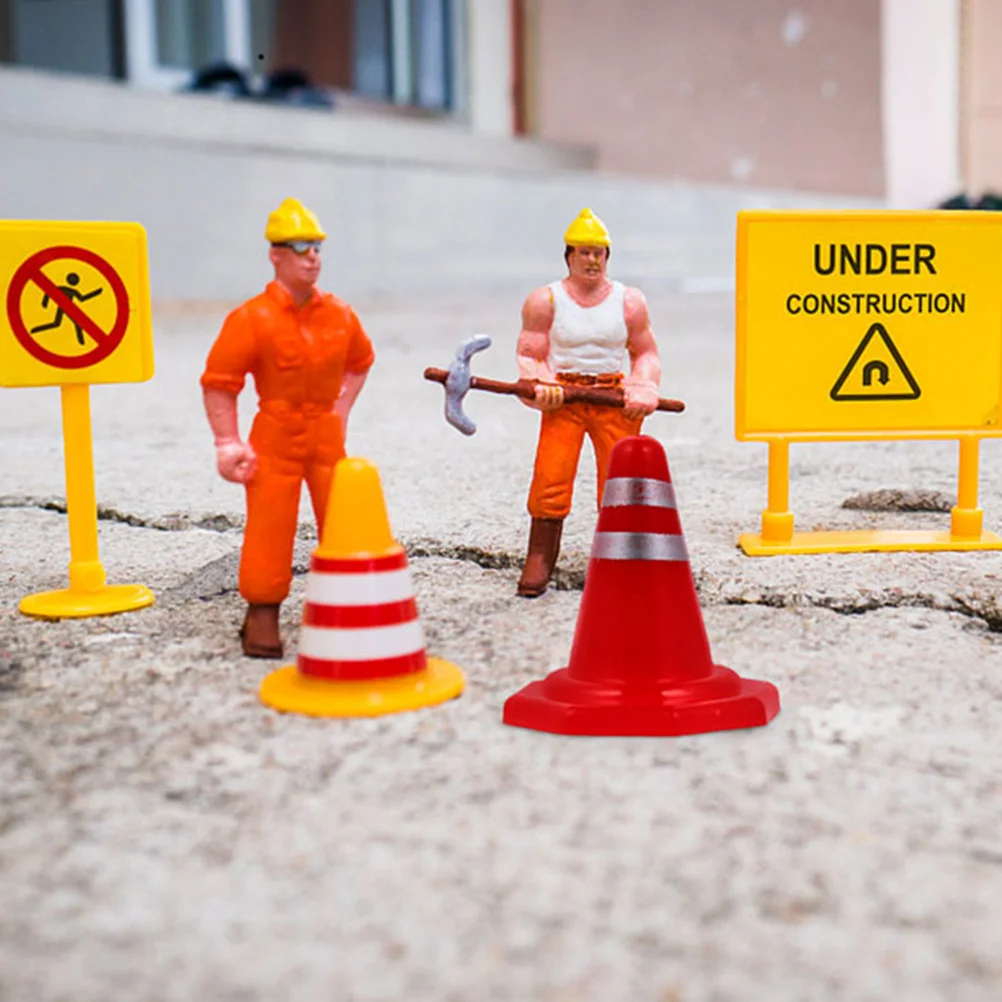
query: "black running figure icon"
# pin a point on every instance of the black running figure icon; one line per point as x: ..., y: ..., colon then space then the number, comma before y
x: 70, y: 292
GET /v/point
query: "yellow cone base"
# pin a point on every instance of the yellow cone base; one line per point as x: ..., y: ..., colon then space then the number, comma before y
x: 866, y: 541
x: 289, y: 691
x: 69, y: 603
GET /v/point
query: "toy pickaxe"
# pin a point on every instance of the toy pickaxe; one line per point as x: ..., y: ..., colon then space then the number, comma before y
x: 458, y: 382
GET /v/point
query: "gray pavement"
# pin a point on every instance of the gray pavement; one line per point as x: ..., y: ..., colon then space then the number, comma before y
x: 163, y: 836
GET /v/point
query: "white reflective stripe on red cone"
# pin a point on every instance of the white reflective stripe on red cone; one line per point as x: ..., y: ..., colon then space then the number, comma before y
x: 638, y: 546
x: 647, y: 491
x: 367, y: 643
x: 375, y: 588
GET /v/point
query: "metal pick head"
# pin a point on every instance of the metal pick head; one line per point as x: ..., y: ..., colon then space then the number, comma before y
x: 455, y: 416
x: 458, y: 383
x: 461, y: 363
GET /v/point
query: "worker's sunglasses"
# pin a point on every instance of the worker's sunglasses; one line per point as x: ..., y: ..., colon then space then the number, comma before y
x: 301, y: 247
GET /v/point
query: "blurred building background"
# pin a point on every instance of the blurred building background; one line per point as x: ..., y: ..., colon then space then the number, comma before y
x: 427, y: 125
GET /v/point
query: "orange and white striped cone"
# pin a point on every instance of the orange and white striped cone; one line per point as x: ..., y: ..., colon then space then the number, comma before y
x: 361, y: 647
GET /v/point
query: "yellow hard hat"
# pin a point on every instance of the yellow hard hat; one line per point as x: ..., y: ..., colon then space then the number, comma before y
x: 587, y: 231
x: 293, y: 221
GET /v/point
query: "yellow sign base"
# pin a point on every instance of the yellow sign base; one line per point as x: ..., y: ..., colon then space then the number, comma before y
x: 74, y: 603
x: 777, y: 535
x: 872, y: 541
x: 291, y: 692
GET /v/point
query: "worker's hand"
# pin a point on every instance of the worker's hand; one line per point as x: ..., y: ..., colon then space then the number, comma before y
x: 549, y: 396
x: 235, y: 460
x: 639, y: 399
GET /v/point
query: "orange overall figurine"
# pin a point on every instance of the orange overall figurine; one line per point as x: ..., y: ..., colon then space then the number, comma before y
x: 309, y: 357
x: 577, y: 332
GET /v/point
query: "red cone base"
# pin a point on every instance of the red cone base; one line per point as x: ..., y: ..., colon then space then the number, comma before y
x: 722, y: 702
x: 641, y: 663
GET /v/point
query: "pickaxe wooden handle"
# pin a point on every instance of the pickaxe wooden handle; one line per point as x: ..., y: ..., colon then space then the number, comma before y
x: 526, y: 389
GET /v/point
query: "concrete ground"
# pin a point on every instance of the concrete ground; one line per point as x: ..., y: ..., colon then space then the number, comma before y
x: 163, y: 836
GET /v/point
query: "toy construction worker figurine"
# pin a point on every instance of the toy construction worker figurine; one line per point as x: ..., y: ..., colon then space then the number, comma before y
x: 577, y: 332
x: 309, y: 357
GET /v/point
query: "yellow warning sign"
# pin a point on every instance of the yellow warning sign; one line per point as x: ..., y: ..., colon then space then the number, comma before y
x: 868, y: 324
x: 75, y: 304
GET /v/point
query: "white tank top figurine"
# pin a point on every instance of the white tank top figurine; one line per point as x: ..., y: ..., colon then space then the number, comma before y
x: 590, y: 340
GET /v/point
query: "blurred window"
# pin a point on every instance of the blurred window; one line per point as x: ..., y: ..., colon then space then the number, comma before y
x: 431, y: 78
x: 166, y: 40
x: 373, y: 48
x: 404, y: 51
x: 71, y: 36
x: 190, y: 33
x: 262, y: 30
x: 7, y: 48
x: 407, y: 52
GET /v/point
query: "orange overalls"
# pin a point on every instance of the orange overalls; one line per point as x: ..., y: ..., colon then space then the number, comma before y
x: 298, y: 357
x: 561, y: 435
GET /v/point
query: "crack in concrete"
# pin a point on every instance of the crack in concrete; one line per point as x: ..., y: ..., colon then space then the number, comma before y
x: 175, y: 521
x: 489, y: 559
x: 896, y: 500
x: 983, y: 608
x: 218, y: 578
x: 11, y: 672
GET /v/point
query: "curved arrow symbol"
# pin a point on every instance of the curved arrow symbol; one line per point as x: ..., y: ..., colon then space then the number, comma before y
x: 876, y: 366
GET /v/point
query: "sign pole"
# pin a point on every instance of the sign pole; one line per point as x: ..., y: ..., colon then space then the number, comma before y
x: 777, y: 519
x: 966, y: 517
x: 86, y: 572
x: 88, y: 593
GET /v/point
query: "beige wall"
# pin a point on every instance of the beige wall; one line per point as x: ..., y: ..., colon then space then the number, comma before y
x: 982, y: 95
x: 761, y: 92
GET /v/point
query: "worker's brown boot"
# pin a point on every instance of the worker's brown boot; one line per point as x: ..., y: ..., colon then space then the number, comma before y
x: 259, y: 634
x: 544, y: 547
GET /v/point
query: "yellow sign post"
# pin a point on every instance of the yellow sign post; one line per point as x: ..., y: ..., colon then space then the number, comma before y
x: 76, y: 311
x: 864, y: 326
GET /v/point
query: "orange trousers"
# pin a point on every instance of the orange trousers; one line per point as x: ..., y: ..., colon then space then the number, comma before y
x: 561, y: 435
x: 292, y: 447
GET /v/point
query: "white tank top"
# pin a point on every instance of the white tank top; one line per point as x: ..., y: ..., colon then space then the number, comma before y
x: 590, y: 339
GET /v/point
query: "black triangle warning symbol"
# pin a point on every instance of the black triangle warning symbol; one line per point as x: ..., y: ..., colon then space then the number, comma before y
x: 876, y: 371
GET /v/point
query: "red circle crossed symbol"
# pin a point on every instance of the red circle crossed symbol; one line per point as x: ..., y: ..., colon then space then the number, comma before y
x: 105, y: 341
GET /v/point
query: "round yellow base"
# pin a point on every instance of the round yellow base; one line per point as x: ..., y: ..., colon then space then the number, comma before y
x: 69, y: 604
x: 289, y: 691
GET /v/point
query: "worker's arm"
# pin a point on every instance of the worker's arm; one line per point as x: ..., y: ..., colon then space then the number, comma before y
x: 533, y: 350
x: 235, y: 459
x: 358, y: 362
x: 641, y: 387
x: 231, y: 357
x: 350, y: 389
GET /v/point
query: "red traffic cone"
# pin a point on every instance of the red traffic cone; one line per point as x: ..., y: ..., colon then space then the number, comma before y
x: 640, y: 663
